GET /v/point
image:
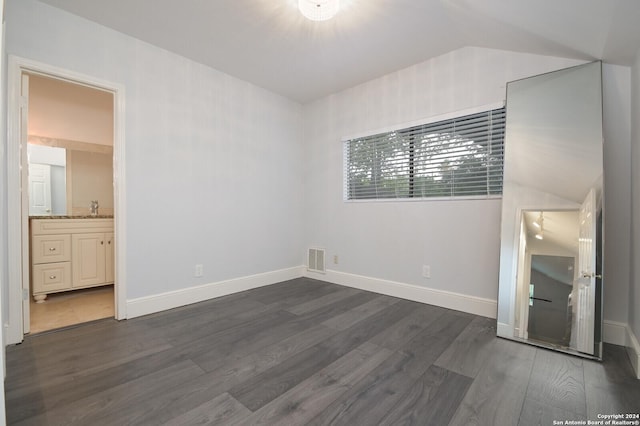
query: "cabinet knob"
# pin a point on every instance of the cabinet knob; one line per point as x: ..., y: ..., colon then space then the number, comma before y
x: 52, y: 249
x: 101, y: 243
x: 52, y: 277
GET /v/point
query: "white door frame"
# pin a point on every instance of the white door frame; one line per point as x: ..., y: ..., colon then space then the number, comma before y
x: 17, y: 217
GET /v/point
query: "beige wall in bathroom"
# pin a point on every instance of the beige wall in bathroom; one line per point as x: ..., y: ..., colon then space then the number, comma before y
x: 61, y: 110
x: 79, y: 119
x: 89, y: 177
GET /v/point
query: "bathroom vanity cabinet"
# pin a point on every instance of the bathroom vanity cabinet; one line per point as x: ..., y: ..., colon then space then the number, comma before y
x: 70, y: 253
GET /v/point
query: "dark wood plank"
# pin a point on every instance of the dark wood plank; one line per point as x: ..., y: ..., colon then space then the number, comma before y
x: 558, y: 380
x: 112, y: 406
x: 269, y: 385
x: 34, y: 400
x: 497, y: 394
x: 339, y: 307
x: 59, y: 362
x: 196, y: 392
x: 292, y: 292
x: 320, y: 302
x: 304, y: 401
x: 536, y: 413
x: 215, y: 347
x: 221, y: 410
x: 401, y: 332
x: 611, y: 385
x: 430, y: 343
x: 471, y: 349
x: 357, y: 314
x: 370, y: 399
x: 432, y: 400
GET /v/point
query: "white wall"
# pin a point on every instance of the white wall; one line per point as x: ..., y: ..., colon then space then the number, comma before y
x: 634, y: 289
x: 212, y: 162
x: 460, y: 240
x: 616, y: 85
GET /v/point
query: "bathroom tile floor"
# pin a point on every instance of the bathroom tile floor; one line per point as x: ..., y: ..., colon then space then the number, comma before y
x: 72, y: 307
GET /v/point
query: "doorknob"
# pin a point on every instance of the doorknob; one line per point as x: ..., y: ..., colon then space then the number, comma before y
x: 591, y: 275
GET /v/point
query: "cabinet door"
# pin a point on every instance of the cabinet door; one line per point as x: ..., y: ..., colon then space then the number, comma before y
x: 88, y: 259
x: 109, y: 265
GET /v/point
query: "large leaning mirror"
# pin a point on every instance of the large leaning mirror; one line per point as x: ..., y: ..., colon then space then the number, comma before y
x: 550, y: 291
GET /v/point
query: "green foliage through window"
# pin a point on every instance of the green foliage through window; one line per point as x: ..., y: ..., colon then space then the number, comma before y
x: 459, y: 157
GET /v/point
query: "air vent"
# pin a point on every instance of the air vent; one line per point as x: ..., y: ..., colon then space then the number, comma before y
x: 316, y: 260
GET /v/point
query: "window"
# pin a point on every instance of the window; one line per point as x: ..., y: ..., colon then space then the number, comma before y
x: 458, y: 157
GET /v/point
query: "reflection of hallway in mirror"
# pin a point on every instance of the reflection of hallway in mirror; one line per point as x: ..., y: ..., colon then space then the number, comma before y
x: 550, y: 307
x: 550, y: 313
x: 71, y: 308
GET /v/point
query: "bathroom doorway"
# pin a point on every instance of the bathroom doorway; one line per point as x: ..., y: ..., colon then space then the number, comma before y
x: 85, y: 153
x: 70, y: 176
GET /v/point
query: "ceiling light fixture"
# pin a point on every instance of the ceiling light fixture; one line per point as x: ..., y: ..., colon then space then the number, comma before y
x: 539, y: 223
x: 319, y: 10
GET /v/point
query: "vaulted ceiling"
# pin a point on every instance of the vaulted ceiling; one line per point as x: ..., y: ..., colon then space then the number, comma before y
x: 268, y: 42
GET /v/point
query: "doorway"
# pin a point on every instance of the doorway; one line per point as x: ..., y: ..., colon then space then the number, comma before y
x: 70, y: 167
x: 20, y: 287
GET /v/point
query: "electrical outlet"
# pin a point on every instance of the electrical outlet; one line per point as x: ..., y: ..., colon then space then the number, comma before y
x: 335, y: 259
x: 426, y: 271
x: 199, y: 270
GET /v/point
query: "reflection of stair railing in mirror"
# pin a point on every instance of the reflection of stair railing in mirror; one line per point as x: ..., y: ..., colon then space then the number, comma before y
x: 552, y: 183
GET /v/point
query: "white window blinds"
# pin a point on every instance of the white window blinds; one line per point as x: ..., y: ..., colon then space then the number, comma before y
x: 458, y: 157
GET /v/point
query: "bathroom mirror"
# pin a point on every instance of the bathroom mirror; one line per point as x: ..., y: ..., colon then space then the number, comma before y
x: 550, y: 290
x: 65, y: 176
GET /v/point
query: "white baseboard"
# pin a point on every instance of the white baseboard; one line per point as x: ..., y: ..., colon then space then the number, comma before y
x: 614, y: 332
x: 173, y: 299
x: 633, y: 350
x: 504, y: 330
x: 456, y: 301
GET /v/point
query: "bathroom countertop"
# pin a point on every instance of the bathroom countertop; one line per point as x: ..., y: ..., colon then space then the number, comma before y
x: 88, y: 216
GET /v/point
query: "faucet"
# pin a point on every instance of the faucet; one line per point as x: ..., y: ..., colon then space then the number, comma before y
x: 93, y: 208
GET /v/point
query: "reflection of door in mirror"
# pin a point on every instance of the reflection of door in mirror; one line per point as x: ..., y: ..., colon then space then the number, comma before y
x: 47, y: 180
x: 39, y: 189
x: 586, y: 291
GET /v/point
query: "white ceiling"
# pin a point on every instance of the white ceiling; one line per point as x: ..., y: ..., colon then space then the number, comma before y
x: 561, y: 230
x: 268, y: 42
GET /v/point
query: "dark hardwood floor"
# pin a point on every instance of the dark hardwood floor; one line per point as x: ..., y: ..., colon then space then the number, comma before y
x: 305, y: 352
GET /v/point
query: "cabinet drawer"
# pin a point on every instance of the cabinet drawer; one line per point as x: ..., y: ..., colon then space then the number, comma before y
x: 50, y: 277
x: 51, y: 248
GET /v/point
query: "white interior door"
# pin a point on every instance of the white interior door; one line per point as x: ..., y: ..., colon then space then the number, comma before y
x: 586, y: 288
x: 39, y: 190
